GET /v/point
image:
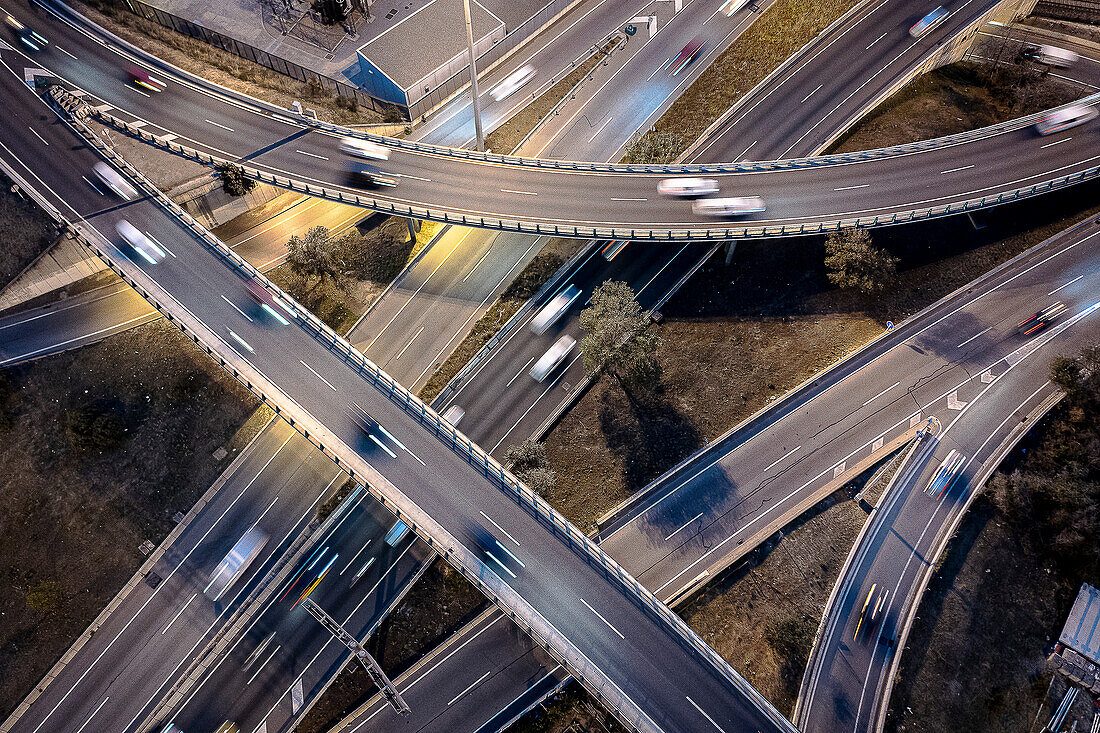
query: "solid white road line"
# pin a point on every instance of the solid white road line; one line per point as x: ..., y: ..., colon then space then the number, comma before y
x: 1071, y: 282
x: 158, y: 243
x: 774, y: 463
x: 880, y: 394
x: 704, y: 714
x: 851, y: 188
x: 264, y: 664
x: 89, y: 720
x: 66, y: 53
x: 227, y: 300
x: 979, y: 333
x: 615, y: 199
x: 746, y: 150
x: 241, y: 341
x: 184, y: 606
x: 811, y: 93
x: 498, y: 562
x: 521, y: 371
x: 1056, y: 142
x: 956, y: 170
x: 478, y: 263
x: 311, y: 155
x: 502, y: 529
x: 876, y: 41
x: 479, y: 679
x: 403, y: 350
x: 600, y: 129
x: 307, y: 366
x: 355, y: 557
x: 72, y: 340
x: 37, y: 135
x: 682, y: 526
x: 522, y: 193
x: 603, y: 619
x: 215, y: 124
x: 510, y: 553
x: 89, y: 181
x: 400, y: 445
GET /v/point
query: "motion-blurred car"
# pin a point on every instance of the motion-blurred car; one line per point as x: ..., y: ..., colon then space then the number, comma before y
x: 613, y: 248
x: 142, y: 244
x: 495, y: 552
x: 1037, y: 322
x: 929, y: 22
x: 869, y: 614
x: 360, y: 417
x: 512, y: 82
x: 1052, y: 55
x: 358, y: 148
x: 236, y: 562
x: 553, y: 356
x: 687, y: 56
x: 267, y: 302
x: 1063, y: 119
x: 28, y: 37
x: 945, y: 475
x: 142, y: 78
x: 362, y: 174
x: 732, y: 6
x: 735, y: 206
x: 687, y: 187
x: 554, y: 310
x: 115, y: 181
x: 454, y: 415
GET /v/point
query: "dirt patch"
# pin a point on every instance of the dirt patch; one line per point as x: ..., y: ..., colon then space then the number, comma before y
x: 440, y: 603
x: 508, y: 136
x: 951, y: 99
x: 25, y: 230
x: 100, y: 447
x: 224, y: 68
x: 553, y: 255
x: 780, y: 31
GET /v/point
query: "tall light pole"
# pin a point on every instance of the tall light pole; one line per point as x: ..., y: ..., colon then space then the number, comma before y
x: 473, y: 77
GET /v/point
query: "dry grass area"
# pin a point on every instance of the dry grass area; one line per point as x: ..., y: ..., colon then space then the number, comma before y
x: 553, y: 255
x: 384, y: 239
x: 951, y: 99
x: 440, y: 603
x: 508, y: 136
x: 100, y: 447
x: 25, y: 231
x: 222, y: 67
x: 780, y: 31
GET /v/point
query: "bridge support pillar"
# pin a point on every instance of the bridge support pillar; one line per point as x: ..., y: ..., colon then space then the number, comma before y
x: 731, y: 247
x: 414, y: 227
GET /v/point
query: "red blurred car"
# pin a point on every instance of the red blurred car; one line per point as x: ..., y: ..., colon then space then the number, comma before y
x: 688, y: 55
x: 1035, y: 323
x: 142, y: 78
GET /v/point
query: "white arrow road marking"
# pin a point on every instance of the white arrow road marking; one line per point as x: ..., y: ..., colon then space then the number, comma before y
x: 953, y: 402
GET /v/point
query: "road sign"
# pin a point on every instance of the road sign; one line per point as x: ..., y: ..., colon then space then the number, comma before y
x: 889, y: 325
x: 631, y: 29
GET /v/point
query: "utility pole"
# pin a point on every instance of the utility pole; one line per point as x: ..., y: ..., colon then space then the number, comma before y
x: 369, y: 663
x: 473, y: 78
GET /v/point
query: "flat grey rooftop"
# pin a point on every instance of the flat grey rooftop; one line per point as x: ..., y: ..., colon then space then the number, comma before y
x: 426, y: 39
x: 1082, y: 630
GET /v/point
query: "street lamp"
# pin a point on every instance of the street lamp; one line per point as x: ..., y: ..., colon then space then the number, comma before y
x: 473, y: 77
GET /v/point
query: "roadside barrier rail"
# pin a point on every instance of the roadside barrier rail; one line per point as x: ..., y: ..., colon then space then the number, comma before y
x: 457, y: 555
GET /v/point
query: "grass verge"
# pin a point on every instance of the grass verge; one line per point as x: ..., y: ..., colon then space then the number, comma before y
x: 222, y: 67
x: 976, y: 658
x: 100, y: 447
x: 439, y: 604
x: 508, y: 136
x: 951, y: 99
x: 780, y: 31
x: 25, y: 230
x: 556, y: 253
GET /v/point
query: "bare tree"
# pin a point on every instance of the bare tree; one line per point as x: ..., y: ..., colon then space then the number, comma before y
x: 854, y: 263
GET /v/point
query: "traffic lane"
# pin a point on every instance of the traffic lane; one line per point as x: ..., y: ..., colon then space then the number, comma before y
x: 283, y: 648
x: 702, y: 509
x: 142, y: 641
x: 789, y: 118
x: 901, y: 551
x: 448, y: 490
x: 75, y: 322
x: 502, y: 401
x: 488, y: 660
x: 621, y: 106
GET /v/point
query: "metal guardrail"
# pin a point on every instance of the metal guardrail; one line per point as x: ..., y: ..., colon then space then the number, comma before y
x: 662, y: 234
x: 460, y: 558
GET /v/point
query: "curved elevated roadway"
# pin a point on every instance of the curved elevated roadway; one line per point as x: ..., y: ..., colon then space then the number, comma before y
x: 635, y: 655
x: 582, y: 199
